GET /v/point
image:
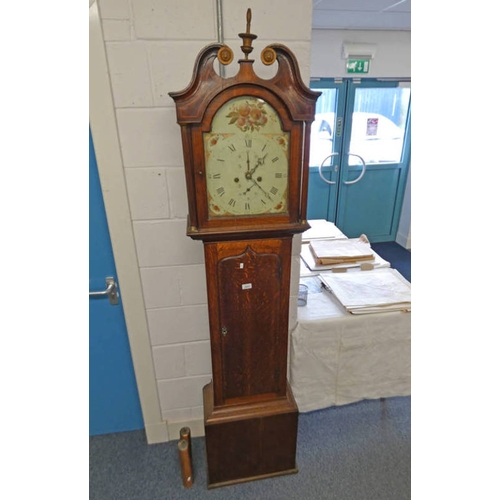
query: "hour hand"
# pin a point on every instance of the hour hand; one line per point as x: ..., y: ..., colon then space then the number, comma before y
x: 260, y: 161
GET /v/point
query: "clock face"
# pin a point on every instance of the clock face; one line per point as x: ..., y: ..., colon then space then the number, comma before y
x: 246, y: 160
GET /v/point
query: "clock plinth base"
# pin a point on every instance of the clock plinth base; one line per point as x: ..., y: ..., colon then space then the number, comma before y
x: 250, y: 441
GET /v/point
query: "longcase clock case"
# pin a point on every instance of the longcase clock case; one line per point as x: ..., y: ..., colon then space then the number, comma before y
x: 250, y: 414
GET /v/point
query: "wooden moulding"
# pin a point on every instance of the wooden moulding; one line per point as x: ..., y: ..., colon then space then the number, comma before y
x: 235, y: 232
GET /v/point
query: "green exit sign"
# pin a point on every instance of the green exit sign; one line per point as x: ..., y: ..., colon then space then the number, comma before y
x: 358, y: 65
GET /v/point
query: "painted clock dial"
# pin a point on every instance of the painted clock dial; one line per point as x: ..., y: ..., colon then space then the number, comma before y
x: 246, y: 160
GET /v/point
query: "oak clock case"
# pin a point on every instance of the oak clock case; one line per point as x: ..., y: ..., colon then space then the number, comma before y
x: 246, y: 145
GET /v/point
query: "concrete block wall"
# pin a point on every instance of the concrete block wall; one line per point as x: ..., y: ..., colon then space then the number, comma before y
x: 151, y: 48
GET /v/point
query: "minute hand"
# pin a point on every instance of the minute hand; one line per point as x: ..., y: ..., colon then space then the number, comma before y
x: 266, y: 194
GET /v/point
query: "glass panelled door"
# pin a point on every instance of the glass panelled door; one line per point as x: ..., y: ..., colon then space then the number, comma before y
x: 360, y: 151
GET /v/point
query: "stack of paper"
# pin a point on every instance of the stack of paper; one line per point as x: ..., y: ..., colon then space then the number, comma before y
x: 381, y: 290
x: 322, y: 229
x: 347, y: 251
x: 309, y: 265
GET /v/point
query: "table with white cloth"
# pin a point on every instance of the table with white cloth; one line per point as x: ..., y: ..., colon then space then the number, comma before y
x: 338, y: 358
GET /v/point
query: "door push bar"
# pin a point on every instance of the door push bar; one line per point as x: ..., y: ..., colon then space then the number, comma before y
x: 336, y: 168
x: 110, y: 291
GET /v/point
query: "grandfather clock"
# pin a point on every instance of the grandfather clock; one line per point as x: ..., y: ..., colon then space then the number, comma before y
x: 246, y: 148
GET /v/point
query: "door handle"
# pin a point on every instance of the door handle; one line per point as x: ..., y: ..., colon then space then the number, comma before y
x: 362, y: 171
x: 321, y: 166
x: 110, y: 291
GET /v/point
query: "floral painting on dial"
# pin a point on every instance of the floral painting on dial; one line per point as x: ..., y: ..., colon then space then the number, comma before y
x: 248, y: 116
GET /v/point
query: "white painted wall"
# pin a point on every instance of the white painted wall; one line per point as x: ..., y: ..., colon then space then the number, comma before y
x: 392, y: 59
x: 151, y: 47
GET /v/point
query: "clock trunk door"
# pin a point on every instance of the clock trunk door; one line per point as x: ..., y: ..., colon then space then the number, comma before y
x: 253, y: 323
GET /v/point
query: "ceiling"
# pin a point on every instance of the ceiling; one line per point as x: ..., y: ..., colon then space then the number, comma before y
x: 362, y: 14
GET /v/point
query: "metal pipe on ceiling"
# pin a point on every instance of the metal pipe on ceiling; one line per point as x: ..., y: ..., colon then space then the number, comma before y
x: 220, y: 34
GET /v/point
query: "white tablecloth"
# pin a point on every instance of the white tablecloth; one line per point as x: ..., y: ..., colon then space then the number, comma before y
x: 338, y: 358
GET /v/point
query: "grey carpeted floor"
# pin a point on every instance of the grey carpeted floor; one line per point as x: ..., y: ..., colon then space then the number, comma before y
x: 359, y: 451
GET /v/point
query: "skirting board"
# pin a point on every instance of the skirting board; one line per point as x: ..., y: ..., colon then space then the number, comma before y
x: 404, y: 240
x: 156, y: 433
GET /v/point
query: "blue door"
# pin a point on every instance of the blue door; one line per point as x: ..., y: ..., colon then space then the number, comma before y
x: 113, y: 398
x: 360, y: 153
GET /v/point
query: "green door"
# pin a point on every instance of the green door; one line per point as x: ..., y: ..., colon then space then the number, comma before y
x: 360, y: 153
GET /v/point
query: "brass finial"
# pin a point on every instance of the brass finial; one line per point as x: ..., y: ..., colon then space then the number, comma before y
x: 247, y: 37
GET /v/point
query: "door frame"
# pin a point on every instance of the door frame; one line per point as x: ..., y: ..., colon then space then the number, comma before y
x: 328, y: 170
x: 104, y: 128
